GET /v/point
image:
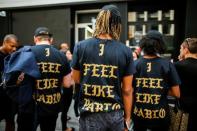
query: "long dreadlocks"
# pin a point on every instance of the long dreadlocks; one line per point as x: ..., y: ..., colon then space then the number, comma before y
x: 108, y: 22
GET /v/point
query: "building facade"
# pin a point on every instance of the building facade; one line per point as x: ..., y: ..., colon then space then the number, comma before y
x: 73, y: 20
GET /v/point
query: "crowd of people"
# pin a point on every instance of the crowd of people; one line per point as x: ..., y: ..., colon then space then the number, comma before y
x: 115, y: 89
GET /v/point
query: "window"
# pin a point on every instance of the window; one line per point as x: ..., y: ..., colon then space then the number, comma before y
x: 84, y: 24
x: 143, y: 21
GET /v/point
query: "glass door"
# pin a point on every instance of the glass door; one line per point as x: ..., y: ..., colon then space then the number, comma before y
x: 84, y: 24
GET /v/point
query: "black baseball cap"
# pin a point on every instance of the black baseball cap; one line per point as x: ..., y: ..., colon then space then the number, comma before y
x: 42, y: 31
x: 156, y: 35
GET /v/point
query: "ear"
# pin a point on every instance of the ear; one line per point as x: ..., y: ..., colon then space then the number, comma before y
x: 35, y: 39
x: 186, y: 50
x: 4, y: 43
x: 51, y: 40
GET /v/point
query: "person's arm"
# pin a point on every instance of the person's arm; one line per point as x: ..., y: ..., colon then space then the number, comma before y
x: 67, y: 81
x: 174, y: 91
x: 76, y: 76
x: 127, y: 94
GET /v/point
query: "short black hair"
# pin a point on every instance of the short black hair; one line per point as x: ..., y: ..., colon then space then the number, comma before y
x: 151, y: 46
x: 153, y: 43
x: 8, y: 37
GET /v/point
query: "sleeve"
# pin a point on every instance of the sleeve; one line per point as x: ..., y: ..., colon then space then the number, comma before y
x: 174, y: 77
x: 75, y: 60
x: 130, y: 68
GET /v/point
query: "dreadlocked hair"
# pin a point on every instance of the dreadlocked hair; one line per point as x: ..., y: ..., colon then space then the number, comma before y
x: 108, y: 23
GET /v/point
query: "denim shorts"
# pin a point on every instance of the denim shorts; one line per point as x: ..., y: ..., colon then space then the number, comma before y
x: 102, y: 121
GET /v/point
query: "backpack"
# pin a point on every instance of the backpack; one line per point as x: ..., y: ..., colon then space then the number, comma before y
x: 18, y: 86
x: 20, y: 72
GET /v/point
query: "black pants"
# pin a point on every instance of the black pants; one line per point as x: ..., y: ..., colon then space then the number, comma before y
x: 192, y: 126
x: 66, y: 102
x: 142, y: 128
x: 8, y: 110
x: 27, y: 122
x: 76, y: 99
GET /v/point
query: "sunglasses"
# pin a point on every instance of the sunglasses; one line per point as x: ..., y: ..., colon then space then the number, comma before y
x: 188, y: 41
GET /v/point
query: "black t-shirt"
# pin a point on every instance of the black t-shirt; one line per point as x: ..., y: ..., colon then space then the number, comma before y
x: 103, y: 64
x: 2, y: 56
x: 187, y: 70
x: 152, y: 80
x: 53, y: 66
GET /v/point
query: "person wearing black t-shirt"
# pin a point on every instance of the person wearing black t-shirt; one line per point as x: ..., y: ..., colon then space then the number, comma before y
x: 155, y: 78
x: 55, y: 71
x: 67, y: 93
x: 187, y: 70
x: 7, y: 109
x: 104, y: 68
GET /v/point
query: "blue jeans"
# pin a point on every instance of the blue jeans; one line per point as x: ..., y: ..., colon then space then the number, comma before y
x: 102, y: 121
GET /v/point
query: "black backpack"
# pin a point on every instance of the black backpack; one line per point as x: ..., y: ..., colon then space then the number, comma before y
x: 18, y: 85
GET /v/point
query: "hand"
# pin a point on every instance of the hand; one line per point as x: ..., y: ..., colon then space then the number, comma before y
x: 20, y: 78
x: 128, y: 124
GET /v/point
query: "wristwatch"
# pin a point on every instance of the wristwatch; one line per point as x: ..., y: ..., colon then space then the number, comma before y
x: 128, y: 125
